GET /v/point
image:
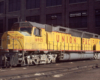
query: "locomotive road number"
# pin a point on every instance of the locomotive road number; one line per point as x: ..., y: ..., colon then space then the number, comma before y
x: 38, y: 39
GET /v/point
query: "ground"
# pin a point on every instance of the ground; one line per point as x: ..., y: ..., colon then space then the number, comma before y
x: 54, y: 71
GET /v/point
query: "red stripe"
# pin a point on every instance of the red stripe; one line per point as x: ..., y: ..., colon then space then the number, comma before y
x: 47, y: 50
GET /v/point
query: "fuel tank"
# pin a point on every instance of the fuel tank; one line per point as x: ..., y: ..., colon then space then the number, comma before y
x: 74, y: 56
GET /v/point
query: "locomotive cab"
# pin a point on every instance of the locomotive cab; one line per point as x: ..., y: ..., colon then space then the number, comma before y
x: 26, y: 27
x: 22, y: 27
x: 24, y: 40
x: 24, y: 36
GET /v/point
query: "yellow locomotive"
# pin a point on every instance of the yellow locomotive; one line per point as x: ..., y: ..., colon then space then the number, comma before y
x: 30, y: 43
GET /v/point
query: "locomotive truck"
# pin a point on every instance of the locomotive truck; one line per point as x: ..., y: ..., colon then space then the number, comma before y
x: 30, y: 43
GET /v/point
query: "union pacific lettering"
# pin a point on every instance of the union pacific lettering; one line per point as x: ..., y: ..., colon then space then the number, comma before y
x: 86, y: 41
x: 89, y: 41
x: 67, y: 39
x: 70, y: 39
x: 94, y: 41
x: 17, y: 37
x: 63, y: 38
x: 57, y: 38
x: 74, y: 40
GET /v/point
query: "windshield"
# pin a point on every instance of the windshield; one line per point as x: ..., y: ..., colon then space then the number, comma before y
x: 26, y: 29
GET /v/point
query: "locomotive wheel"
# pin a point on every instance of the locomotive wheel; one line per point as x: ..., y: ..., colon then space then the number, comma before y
x: 53, y: 61
x: 95, y: 56
x: 8, y: 64
x: 22, y: 64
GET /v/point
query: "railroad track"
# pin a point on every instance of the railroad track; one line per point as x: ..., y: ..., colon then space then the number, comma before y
x: 54, y: 73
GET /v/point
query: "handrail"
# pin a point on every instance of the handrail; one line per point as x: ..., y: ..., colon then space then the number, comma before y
x: 72, y: 46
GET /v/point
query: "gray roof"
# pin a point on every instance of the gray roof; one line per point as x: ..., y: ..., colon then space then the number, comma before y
x: 37, y: 25
x: 61, y: 29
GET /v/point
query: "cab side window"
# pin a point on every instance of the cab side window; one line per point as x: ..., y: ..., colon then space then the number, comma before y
x: 37, y: 32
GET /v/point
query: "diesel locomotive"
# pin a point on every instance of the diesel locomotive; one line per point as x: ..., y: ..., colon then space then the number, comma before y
x: 30, y: 43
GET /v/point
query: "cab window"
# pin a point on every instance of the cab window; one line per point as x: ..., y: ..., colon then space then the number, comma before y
x: 37, y: 32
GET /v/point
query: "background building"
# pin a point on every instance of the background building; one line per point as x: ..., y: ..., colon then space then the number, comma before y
x: 78, y: 14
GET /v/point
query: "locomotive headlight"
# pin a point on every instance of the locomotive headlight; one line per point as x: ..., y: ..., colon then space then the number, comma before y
x: 7, y: 37
x: 8, y: 41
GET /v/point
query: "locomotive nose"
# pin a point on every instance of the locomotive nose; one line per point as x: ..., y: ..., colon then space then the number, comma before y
x: 12, y: 40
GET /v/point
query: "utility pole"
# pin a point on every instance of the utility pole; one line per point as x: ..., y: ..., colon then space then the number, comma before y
x: 5, y: 22
x: 5, y: 16
x: 65, y: 13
